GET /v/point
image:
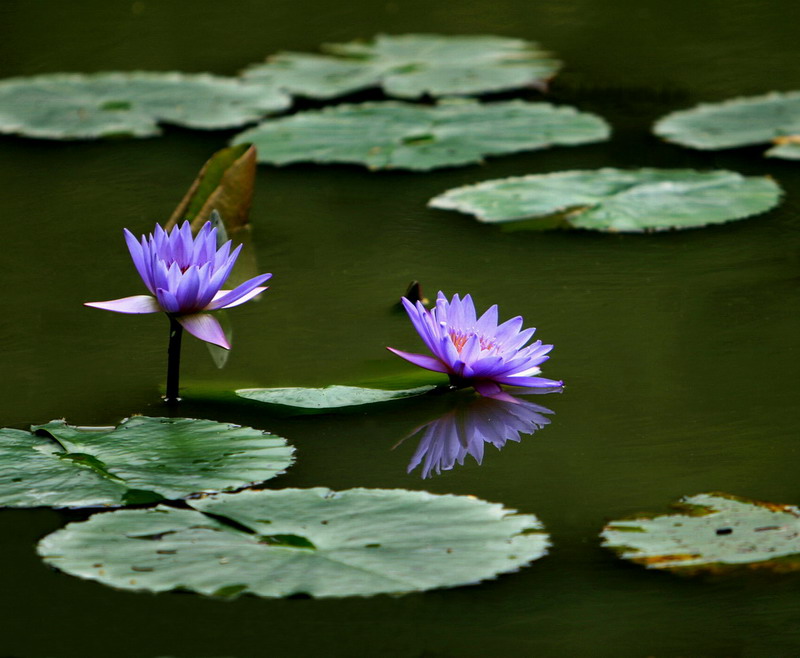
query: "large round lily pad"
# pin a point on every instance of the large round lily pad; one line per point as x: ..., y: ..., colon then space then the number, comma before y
x: 410, y: 66
x: 393, y: 135
x: 763, y: 119
x: 616, y: 199
x: 143, y: 459
x: 86, y: 106
x: 300, y: 541
x: 711, y: 532
x: 328, y: 398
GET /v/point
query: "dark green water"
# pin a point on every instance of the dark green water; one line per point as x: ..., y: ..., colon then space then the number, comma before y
x: 679, y: 350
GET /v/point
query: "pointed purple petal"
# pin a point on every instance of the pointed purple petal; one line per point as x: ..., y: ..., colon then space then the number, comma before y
x: 167, y: 300
x: 205, y: 327
x: 135, y: 304
x: 421, y: 360
x: 531, y: 382
x: 138, y: 257
x: 255, y: 292
x: 240, y: 291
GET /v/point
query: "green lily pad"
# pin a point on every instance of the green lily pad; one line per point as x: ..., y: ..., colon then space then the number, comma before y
x: 318, y: 542
x: 87, y: 106
x: 787, y: 148
x: 393, y: 135
x: 736, y: 122
x: 410, y: 66
x: 328, y: 398
x: 617, y: 200
x: 142, y: 460
x: 711, y: 532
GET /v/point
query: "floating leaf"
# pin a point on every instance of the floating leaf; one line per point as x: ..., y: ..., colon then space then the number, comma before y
x: 142, y: 460
x: 225, y: 184
x: 410, y: 66
x: 403, y: 136
x: 617, y: 200
x: 786, y: 147
x: 328, y: 398
x: 711, y: 532
x: 318, y: 542
x: 86, y: 106
x: 737, y: 122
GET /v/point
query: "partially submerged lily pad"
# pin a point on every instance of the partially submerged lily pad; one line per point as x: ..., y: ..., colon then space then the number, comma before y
x: 711, y: 532
x: 318, y: 542
x: 141, y: 460
x: 87, y: 106
x: 224, y: 185
x: 329, y: 398
x: 773, y: 117
x: 616, y: 199
x: 410, y: 66
x: 393, y: 135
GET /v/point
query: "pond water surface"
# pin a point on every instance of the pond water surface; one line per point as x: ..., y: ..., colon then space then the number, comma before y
x: 679, y: 350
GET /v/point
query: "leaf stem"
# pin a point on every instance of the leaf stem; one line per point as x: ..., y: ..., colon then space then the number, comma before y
x: 173, y: 361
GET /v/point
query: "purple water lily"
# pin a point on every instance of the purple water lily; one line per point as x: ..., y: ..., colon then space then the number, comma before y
x: 477, y: 351
x: 185, y: 275
x: 467, y: 428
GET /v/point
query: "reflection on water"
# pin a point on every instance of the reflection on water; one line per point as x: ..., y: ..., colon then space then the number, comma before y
x: 473, y: 422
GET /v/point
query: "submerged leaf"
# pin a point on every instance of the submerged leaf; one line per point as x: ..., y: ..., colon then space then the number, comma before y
x: 225, y: 185
x: 144, y: 459
x: 317, y: 542
x: 617, y: 200
x: 328, y: 398
x: 711, y: 532
x: 87, y: 106
x: 736, y: 122
x: 392, y: 135
x: 410, y: 66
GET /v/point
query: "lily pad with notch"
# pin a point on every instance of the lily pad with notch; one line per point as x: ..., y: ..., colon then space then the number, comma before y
x: 395, y: 135
x: 142, y: 460
x: 411, y: 66
x: 316, y: 542
x: 616, y: 199
x: 773, y: 117
x: 88, y: 106
x: 712, y: 532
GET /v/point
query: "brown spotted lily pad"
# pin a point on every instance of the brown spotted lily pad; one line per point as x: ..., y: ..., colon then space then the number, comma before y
x: 711, y: 532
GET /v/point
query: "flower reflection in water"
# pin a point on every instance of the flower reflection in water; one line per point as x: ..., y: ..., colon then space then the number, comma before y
x: 469, y: 426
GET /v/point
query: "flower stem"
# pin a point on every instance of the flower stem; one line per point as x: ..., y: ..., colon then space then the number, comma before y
x: 173, y: 361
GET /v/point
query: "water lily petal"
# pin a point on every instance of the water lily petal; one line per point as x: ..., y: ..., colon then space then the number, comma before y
x: 138, y: 257
x: 255, y: 292
x: 530, y: 382
x: 135, y: 304
x: 205, y: 327
x: 234, y: 295
x: 421, y: 360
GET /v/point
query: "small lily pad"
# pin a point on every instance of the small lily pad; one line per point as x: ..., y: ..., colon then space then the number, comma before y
x: 410, y: 66
x: 328, y: 398
x: 711, y: 532
x: 393, y: 135
x: 617, y: 200
x: 318, y: 542
x: 88, y: 106
x: 737, y: 122
x: 141, y: 460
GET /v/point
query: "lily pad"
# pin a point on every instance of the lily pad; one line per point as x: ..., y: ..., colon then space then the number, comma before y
x: 737, y: 122
x: 393, y: 135
x: 617, y: 200
x: 224, y: 185
x: 318, y: 542
x: 142, y: 460
x: 328, y: 398
x: 410, y: 66
x: 711, y: 532
x: 87, y: 106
